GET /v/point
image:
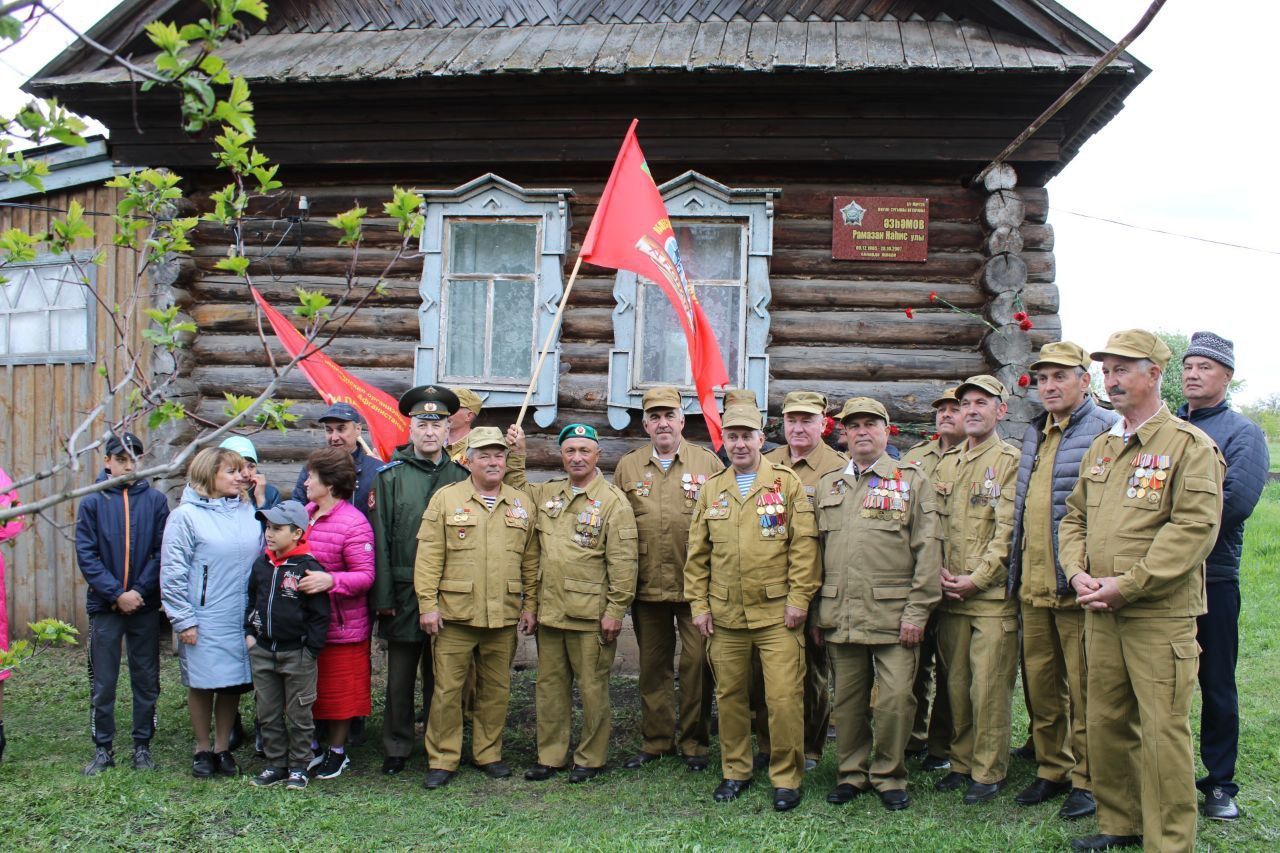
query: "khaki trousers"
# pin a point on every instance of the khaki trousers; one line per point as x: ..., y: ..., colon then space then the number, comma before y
x: 657, y: 623
x: 931, y: 730
x: 817, y: 700
x: 892, y: 668
x: 459, y: 650
x: 284, y: 688
x: 565, y: 657
x: 1142, y: 674
x: 1054, y: 674
x: 981, y: 657
x: 782, y: 662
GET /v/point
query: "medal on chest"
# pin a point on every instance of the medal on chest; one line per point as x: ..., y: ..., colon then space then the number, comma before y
x: 554, y: 506
x: 985, y: 492
x: 1100, y: 465
x: 771, y: 507
x: 517, y: 510
x: 887, y: 498
x: 839, y: 487
x: 692, y: 484
x: 642, y: 488
x: 587, y: 524
x: 719, y: 508
x: 1150, y: 474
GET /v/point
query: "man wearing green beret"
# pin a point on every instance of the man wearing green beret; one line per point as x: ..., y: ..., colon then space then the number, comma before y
x: 587, y: 570
x: 1140, y: 522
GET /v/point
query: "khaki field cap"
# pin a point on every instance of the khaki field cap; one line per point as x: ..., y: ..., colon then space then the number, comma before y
x: 485, y: 437
x: 809, y: 402
x: 948, y: 396
x: 1062, y: 354
x: 663, y: 397
x: 983, y: 382
x: 862, y: 406
x: 740, y: 397
x: 741, y: 416
x: 468, y: 399
x: 1136, y: 343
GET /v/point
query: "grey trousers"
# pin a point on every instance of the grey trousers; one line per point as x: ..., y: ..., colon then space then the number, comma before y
x: 140, y: 636
x: 284, y: 687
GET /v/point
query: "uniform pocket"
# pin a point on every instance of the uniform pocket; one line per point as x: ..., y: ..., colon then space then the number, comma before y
x: 455, y: 599
x: 718, y: 590
x: 719, y: 529
x: 1186, y: 661
x: 511, y: 605
x: 582, y: 598
x: 776, y: 590
x: 460, y: 537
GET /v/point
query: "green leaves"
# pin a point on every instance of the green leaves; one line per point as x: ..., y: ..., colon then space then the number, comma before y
x: 234, y: 264
x: 311, y: 304
x: 350, y: 224
x: 69, y: 230
x: 44, y: 634
x: 406, y: 208
x: 19, y: 247
x: 169, y: 410
x: 271, y: 414
x: 167, y: 328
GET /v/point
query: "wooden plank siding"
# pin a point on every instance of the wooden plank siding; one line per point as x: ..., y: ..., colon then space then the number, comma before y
x: 42, y: 404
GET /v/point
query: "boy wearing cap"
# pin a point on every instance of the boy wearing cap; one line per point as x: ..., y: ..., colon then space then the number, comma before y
x: 587, y: 570
x: 285, y: 629
x: 342, y: 427
x: 805, y: 453
x: 978, y: 630
x: 881, y: 557
x: 118, y: 535
x: 1053, y: 639
x: 476, y: 577
x: 1141, y: 520
x: 1207, y: 368
x: 469, y: 407
x: 662, y: 481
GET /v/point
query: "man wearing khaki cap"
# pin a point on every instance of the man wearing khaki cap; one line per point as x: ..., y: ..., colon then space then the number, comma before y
x: 751, y: 572
x: 881, y: 555
x: 978, y: 632
x: 931, y: 732
x: 662, y: 482
x: 460, y: 422
x: 1052, y: 622
x: 1141, y: 520
x: 805, y: 453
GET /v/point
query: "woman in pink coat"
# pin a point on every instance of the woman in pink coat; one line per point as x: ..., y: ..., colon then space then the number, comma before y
x: 8, y: 530
x: 342, y: 541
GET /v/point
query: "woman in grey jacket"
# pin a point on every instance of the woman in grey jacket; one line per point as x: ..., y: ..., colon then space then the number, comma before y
x: 210, y: 543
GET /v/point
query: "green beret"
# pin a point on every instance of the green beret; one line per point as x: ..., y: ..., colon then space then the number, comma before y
x: 579, y: 431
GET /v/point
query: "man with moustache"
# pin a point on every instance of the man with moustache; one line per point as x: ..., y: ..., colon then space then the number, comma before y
x: 342, y: 428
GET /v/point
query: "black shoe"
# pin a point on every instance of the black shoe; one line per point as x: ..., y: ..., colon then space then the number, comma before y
x: 640, y: 759
x: 331, y: 766
x: 495, y: 770
x: 953, y: 781
x: 1026, y: 752
x: 785, y: 799
x: 933, y: 762
x: 103, y: 758
x: 356, y: 736
x: 761, y: 761
x: 142, y: 759
x: 1041, y: 791
x: 1079, y: 803
x: 541, y: 772
x: 1106, y: 842
x: 237, y: 734
x: 916, y: 754
x: 895, y: 800
x: 258, y: 751
x: 271, y: 776
x: 582, y: 774
x: 982, y: 792
x: 1219, y: 805
x: 730, y: 789
x: 437, y: 779
x: 392, y: 764
x: 298, y: 780
x: 203, y: 765
x: 225, y: 763
x: 844, y: 793
x: 695, y: 763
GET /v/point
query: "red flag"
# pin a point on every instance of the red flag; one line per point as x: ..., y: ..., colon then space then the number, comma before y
x: 388, y: 429
x: 631, y: 231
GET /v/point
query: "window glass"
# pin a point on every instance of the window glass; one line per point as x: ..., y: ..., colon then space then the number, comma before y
x: 513, y: 336
x: 466, y: 329
x: 493, y: 248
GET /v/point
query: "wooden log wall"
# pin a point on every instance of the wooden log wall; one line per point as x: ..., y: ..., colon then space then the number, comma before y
x: 42, y: 404
x: 838, y: 327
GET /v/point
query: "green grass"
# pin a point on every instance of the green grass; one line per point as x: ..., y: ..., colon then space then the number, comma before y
x: 46, y: 804
x: 1274, y: 447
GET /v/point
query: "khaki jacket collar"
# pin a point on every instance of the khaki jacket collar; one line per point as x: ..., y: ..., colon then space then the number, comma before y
x: 967, y: 455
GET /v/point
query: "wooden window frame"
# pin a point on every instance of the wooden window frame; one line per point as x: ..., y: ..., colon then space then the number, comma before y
x: 89, y: 354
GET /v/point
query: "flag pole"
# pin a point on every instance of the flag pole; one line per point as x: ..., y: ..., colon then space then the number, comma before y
x: 546, y: 346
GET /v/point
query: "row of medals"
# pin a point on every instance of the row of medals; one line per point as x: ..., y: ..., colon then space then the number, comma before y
x: 587, y: 528
x: 986, y: 492
x: 886, y: 499
x: 1150, y: 471
x: 771, y: 506
x: 691, y: 484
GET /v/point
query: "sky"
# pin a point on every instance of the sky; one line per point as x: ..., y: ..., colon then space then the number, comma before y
x: 1187, y: 154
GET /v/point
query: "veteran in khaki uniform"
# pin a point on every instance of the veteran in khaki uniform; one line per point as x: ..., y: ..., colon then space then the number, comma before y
x: 881, y: 556
x: 805, y: 453
x: 469, y: 407
x: 978, y: 630
x: 476, y: 577
x: 1140, y: 522
x: 587, y: 580
x: 751, y: 573
x: 662, y: 482
x: 931, y: 732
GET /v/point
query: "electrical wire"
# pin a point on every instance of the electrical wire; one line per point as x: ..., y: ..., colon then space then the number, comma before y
x: 1169, y: 233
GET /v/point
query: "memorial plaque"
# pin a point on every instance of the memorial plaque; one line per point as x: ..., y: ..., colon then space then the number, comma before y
x: 879, y: 228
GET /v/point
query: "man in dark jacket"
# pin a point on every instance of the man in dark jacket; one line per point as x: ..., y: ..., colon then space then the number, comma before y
x: 399, y: 497
x: 342, y: 427
x: 118, y: 535
x: 1207, y: 369
x: 1052, y: 622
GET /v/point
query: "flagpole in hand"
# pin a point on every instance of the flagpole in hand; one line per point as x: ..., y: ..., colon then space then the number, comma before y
x: 546, y: 345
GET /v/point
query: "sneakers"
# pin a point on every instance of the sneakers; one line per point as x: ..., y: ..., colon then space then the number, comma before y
x: 297, y: 780
x: 270, y: 776
x: 203, y: 765
x: 329, y: 766
x: 102, y: 759
x: 142, y: 759
x: 225, y: 763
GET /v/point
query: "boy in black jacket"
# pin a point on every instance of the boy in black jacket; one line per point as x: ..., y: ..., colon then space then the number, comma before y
x: 118, y: 535
x: 285, y: 631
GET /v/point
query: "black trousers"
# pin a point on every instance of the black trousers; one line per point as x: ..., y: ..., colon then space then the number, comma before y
x: 1218, y: 633
x: 140, y: 635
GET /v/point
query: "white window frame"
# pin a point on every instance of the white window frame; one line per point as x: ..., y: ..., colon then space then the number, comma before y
x: 70, y: 276
x: 695, y: 197
x: 490, y: 197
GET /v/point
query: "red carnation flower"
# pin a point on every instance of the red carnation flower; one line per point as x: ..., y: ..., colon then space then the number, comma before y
x: 1024, y: 380
x: 933, y: 296
x: 1026, y: 325
x: 934, y: 437
x: 828, y: 425
x: 1019, y: 316
x: 911, y: 315
x: 893, y: 430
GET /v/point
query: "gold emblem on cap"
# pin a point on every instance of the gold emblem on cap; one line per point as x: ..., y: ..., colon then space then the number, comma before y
x: 579, y: 430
